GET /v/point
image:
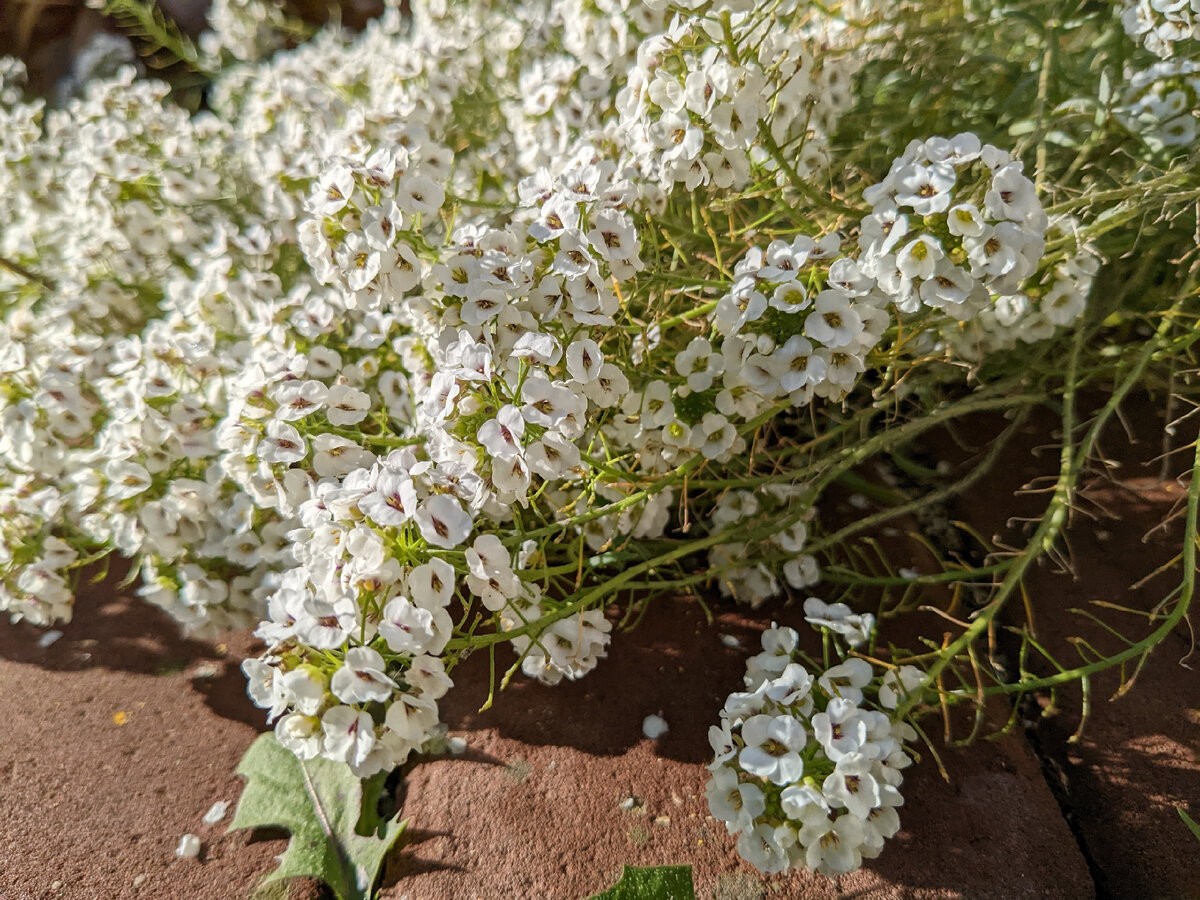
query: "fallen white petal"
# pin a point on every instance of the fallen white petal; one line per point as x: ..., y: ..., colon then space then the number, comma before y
x: 189, y: 847
x: 216, y: 812
x: 654, y: 727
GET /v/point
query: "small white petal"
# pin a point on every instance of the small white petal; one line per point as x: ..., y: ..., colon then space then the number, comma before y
x: 189, y: 847
x: 216, y: 812
x: 654, y: 727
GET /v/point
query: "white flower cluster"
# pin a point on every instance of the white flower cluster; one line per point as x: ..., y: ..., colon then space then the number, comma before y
x: 386, y: 359
x: 807, y: 771
x: 164, y: 304
x: 1162, y: 24
x: 568, y: 62
x: 954, y: 223
x: 703, y: 91
x: 495, y: 379
x: 245, y: 30
x: 800, y: 320
x: 108, y: 387
x: 1055, y: 298
x: 741, y: 567
x: 957, y: 227
x: 1161, y: 104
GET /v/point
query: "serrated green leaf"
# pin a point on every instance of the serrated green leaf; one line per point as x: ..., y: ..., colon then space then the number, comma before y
x: 654, y: 883
x: 337, y: 833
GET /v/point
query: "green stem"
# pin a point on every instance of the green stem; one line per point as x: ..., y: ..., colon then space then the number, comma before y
x: 1144, y: 646
x: 849, y: 458
x: 797, y: 181
x: 1054, y: 519
x: 23, y: 272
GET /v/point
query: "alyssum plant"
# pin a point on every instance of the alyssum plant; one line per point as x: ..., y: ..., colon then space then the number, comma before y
x: 403, y: 365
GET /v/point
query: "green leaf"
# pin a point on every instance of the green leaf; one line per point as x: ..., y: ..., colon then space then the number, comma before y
x: 655, y: 883
x: 146, y: 20
x: 1191, y: 823
x: 337, y: 833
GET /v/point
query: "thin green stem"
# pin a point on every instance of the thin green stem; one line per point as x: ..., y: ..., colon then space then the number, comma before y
x: 1187, y: 592
x: 1054, y: 519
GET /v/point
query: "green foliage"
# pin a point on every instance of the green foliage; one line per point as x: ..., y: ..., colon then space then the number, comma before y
x: 1192, y: 824
x: 654, y: 883
x: 337, y: 833
x: 146, y: 21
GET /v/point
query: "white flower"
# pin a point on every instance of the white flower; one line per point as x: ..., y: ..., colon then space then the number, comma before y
x: 838, y: 618
x: 720, y: 738
x: 552, y: 457
x: 919, y: 258
x: 361, y: 678
x: 898, y: 684
x: 557, y: 214
x: 380, y: 224
x: 799, y: 368
x: 407, y: 628
x: 841, y: 729
x: 925, y: 189
x: 419, y: 195
x: 126, y: 479
x: 715, y: 434
x: 324, y: 625
x: 399, y: 269
x: 948, y: 286
x: 964, y: 220
x: 393, y: 501
x: 297, y: 399
x: 608, y: 387
x: 334, y: 455
x: 347, y: 405
x: 282, y: 443
x: 833, y: 847
x: 833, y: 320
x: 265, y: 686
x: 792, y: 688
x: 443, y: 522
x: 300, y: 734
x: 761, y: 847
x: 305, y: 689
x: 699, y: 364
x: 847, y: 680
x: 427, y: 676
x: 853, y: 785
x: 431, y: 584
x: 772, y: 748
x: 412, y: 718
x: 358, y: 261
x: 802, y: 802
x: 349, y: 734
x: 735, y: 803
x: 1012, y: 196
x: 501, y: 436
x: 677, y: 434
x: 333, y: 191
x: 881, y: 232
x: 882, y: 823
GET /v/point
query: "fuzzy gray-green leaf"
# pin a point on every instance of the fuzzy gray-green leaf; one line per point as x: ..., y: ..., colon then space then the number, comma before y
x: 337, y: 835
x: 652, y: 883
